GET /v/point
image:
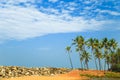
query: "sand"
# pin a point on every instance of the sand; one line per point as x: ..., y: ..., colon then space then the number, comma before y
x: 73, y: 75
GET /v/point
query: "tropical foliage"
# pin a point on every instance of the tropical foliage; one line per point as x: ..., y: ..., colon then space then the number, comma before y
x: 100, y: 50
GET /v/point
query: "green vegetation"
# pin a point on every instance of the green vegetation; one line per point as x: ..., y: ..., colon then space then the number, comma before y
x: 107, y: 75
x: 90, y: 76
x: 104, y: 49
x: 112, y: 75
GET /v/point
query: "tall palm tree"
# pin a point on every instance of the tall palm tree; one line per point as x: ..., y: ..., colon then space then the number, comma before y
x: 116, y: 60
x: 118, y: 55
x: 91, y: 44
x: 86, y: 56
x: 80, y: 57
x: 98, y: 53
x: 79, y: 42
x: 105, y: 44
x: 68, y: 49
x: 108, y: 58
x: 113, y: 46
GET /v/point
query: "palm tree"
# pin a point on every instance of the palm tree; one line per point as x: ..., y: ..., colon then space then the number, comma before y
x: 91, y: 44
x: 98, y: 54
x: 81, y: 58
x: 79, y: 42
x: 105, y: 44
x: 108, y: 60
x: 113, y: 46
x: 116, y: 60
x: 118, y: 55
x: 68, y: 49
x: 86, y: 57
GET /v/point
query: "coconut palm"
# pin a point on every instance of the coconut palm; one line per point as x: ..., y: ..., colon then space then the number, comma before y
x: 105, y: 44
x: 100, y: 49
x: 79, y: 42
x: 98, y: 54
x: 108, y: 58
x: 113, y: 46
x: 68, y: 49
x: 90, y: 43
x: 80, y: 57
x: 118, y: 55
x: 86, y: 56
x: 116, y: 59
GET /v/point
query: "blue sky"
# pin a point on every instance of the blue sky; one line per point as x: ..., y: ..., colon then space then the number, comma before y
x: 36, y: 32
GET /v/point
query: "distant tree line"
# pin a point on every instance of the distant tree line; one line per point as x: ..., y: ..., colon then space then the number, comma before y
x: 97, y: 50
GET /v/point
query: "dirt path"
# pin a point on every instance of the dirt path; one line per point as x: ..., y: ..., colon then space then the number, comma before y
x: 73, y: 75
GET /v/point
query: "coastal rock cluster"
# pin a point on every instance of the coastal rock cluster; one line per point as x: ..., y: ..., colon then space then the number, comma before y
x: 14, y: 71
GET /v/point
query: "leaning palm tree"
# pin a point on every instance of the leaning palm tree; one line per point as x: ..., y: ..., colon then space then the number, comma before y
x: 68, y: 49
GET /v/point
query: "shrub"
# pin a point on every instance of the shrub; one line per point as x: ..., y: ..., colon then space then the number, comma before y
x: 116, y: 68
x: 112, y: 75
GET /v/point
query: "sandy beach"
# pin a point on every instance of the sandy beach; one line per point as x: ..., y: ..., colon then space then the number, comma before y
x: 73, y: 75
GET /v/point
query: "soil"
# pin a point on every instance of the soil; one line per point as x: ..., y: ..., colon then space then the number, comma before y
x: 73, y: 75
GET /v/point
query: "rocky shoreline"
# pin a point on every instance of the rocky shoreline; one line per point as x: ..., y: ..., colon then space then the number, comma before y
x: 16, y: 71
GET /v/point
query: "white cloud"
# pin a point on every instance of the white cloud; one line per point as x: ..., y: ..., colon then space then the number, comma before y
x: 21, y: 23
x: 12, y: 2
x: 109, y: 12
x: 87, y: 2
x: 53, y: 1
x: 49, y: 10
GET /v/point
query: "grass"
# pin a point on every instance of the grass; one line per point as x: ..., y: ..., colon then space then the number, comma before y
x: 112, y: 75
x: 90, y: 76
x: 107, y: 75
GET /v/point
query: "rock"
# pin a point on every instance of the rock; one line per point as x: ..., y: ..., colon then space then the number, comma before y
x: 15, y: 71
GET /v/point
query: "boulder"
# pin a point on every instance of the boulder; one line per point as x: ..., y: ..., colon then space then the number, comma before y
x: 16, y: 71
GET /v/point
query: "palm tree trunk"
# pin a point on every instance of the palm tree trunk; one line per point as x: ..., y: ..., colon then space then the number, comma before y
x: 96, y: 63
x: 108, y: 65
x: 70, y: 61
x: 105, y: 65
x: 99, y: 63
x: 80, y: 61
x: 81, y: 65
x: 94, y: 59
x: 87, y: 65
